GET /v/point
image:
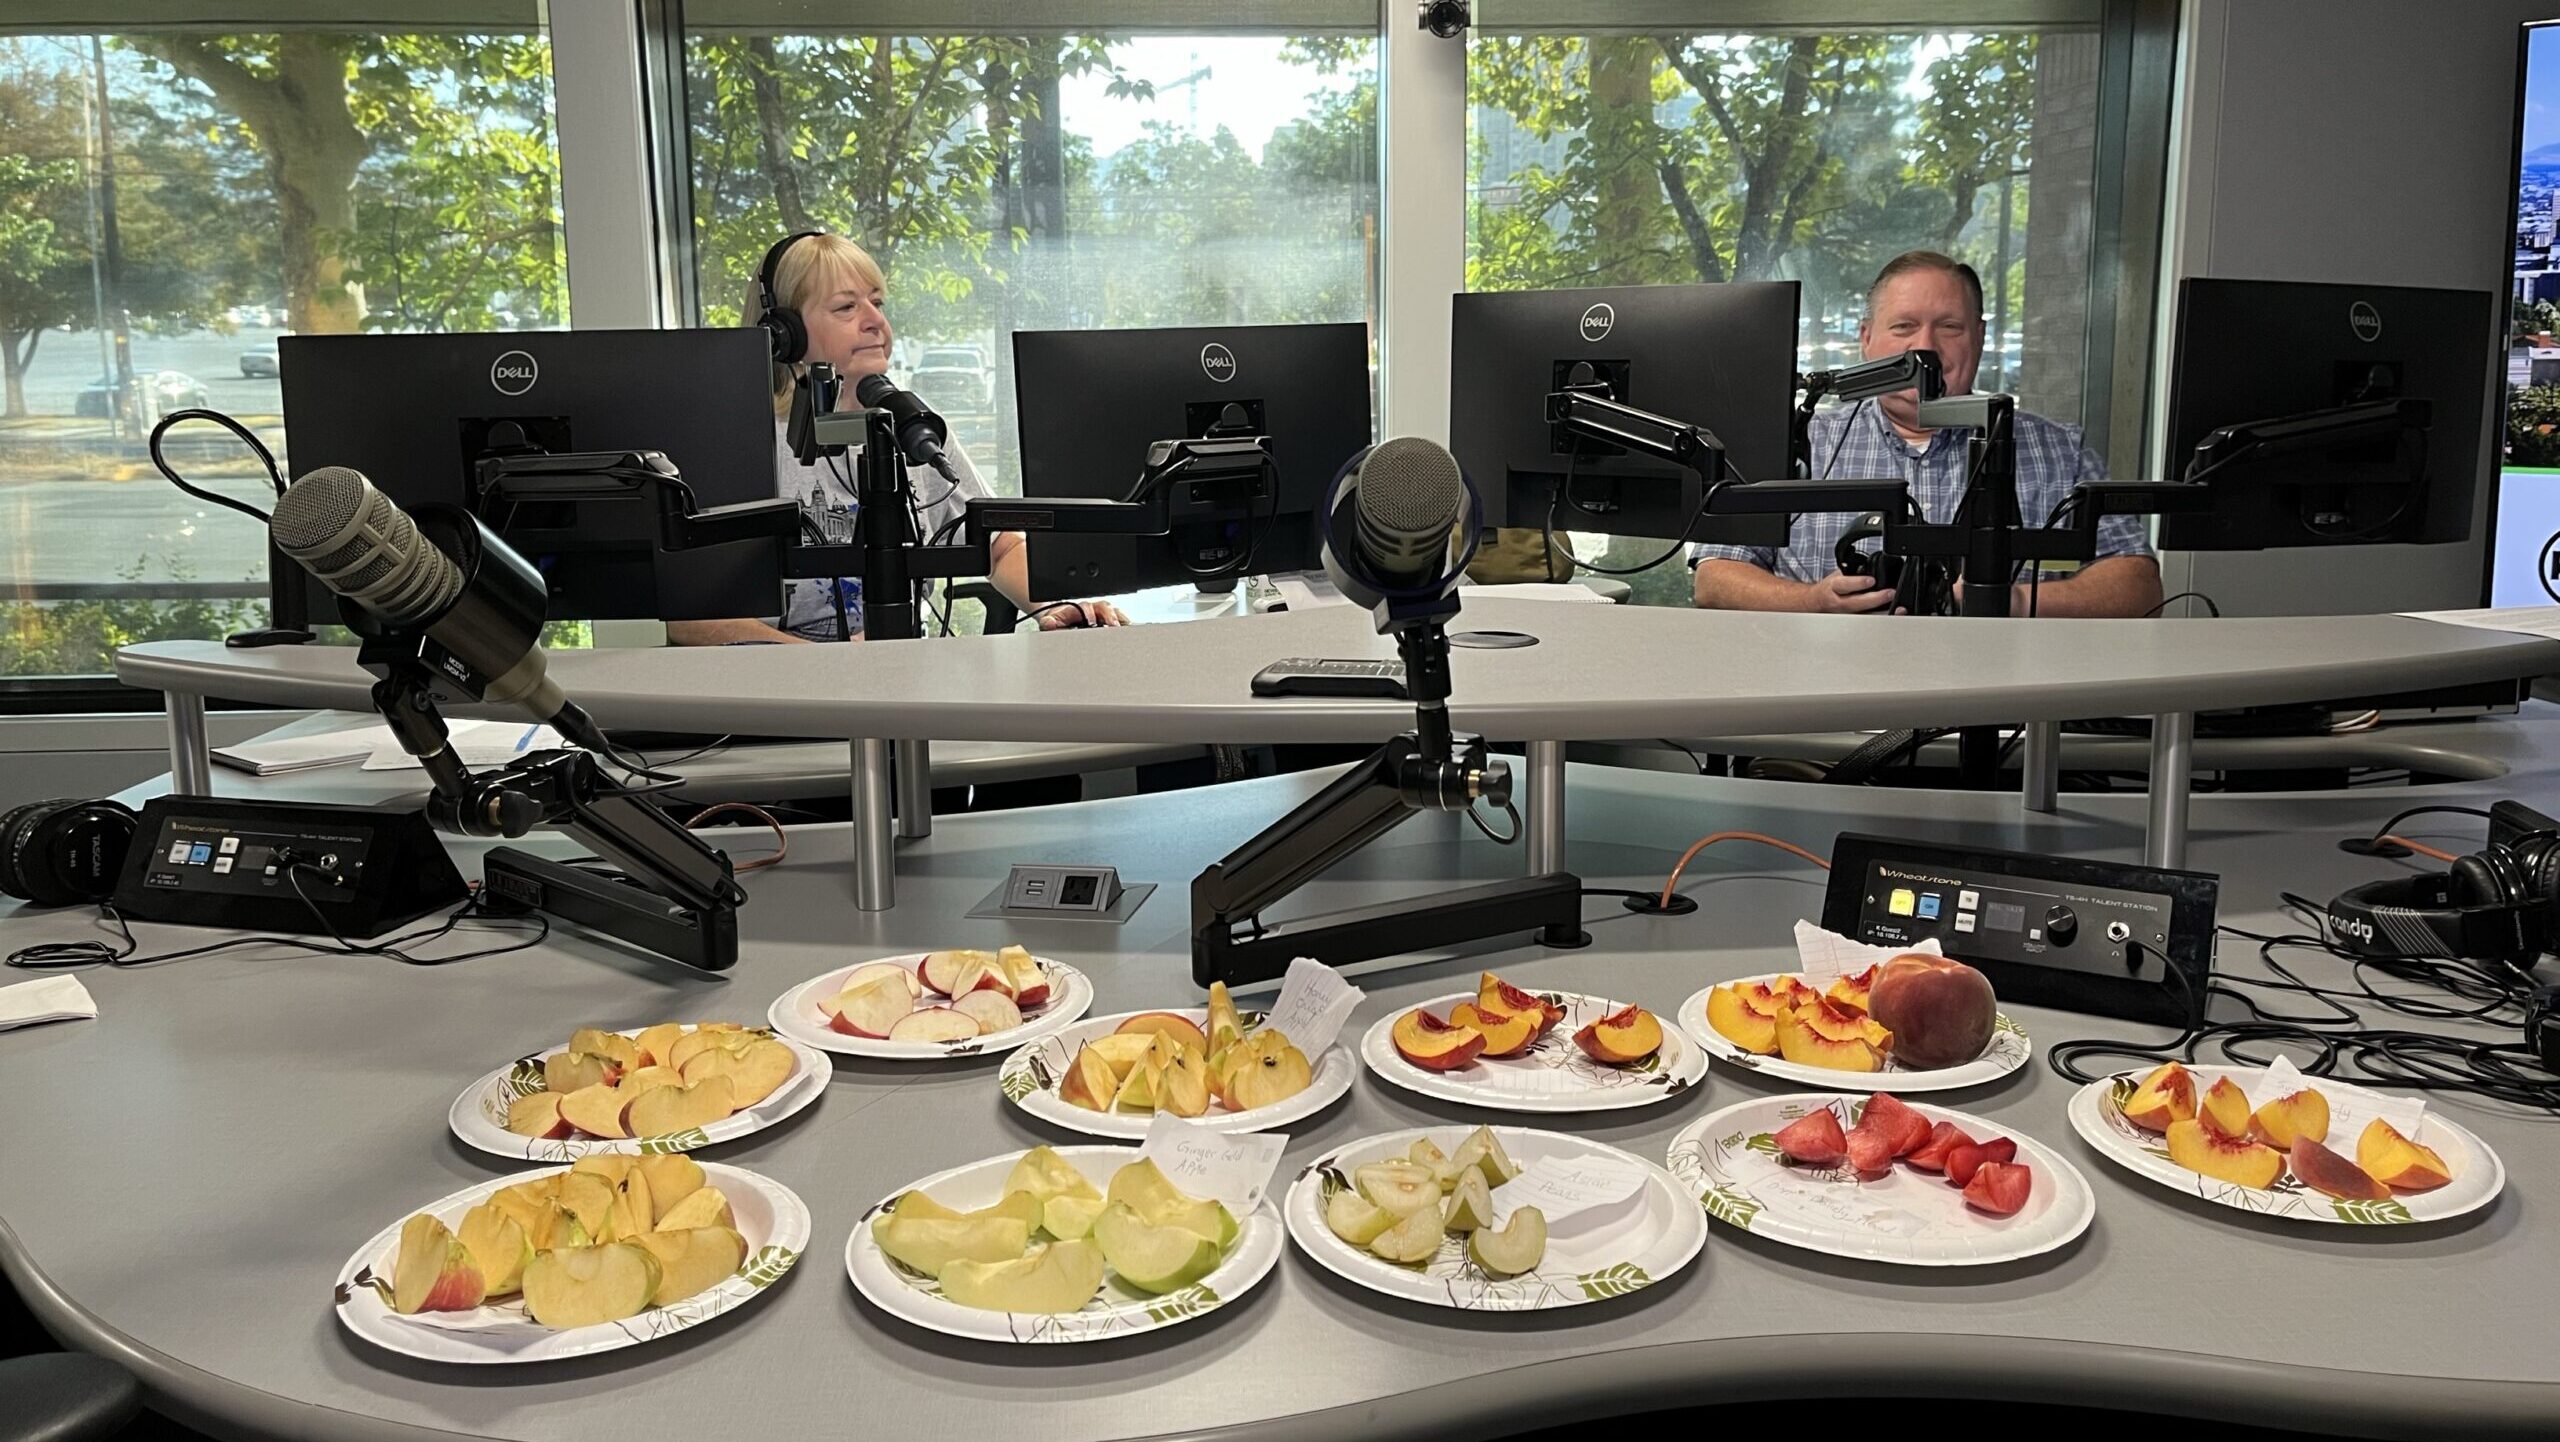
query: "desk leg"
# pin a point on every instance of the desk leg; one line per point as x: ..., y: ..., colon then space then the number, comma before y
x: 1545, y: 813
x: 190, y: 764
x: 875, y: 861
x: 2040, y: 772
x: 2172, y: 758
x: 915, y: 789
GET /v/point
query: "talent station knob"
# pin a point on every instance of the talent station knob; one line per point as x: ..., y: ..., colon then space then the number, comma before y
x: 2061, y: 924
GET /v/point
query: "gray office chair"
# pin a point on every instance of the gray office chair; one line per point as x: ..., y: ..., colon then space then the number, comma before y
x: 66, y: 1397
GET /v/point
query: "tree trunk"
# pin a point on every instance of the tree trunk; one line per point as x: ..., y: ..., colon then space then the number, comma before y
x: 773, y: 133
x: 1621, y: 137
x: 15, y: 362
x: 1044, y: 152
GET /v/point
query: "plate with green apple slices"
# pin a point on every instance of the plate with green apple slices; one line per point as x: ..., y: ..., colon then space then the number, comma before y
x: 705, y: 1083
x: 1461, y: 1217
x: 1056, y: 1244
x: 1505, y: 1049
x: 1109, y: 1076
x: 572, y: 1260
x: 1878, y: 1179
x: 933, y: 1005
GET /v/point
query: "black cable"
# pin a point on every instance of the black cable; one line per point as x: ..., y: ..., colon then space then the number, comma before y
x: 75, y: 955
x: 248, y: 437
x: 1694, y: 758
x: 2168, y: 601
x: 1706, y: 499
x: 1509, y: 810
x: 1841, y: 440
x: 1083, y: 617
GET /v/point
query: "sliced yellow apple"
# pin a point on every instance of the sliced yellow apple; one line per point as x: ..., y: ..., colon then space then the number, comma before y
x: 664, y: 1111
x: 498, y: 1247
x: 754, y: 1072
x: 537, y: 1114
x: 673, y: 1176
x: 655, y: 1042
x: 701, y: 1207
x: 1045, y: 1174
x: 1058, y: 1278
x: 693, y: 1260
x: 564, y: 1072
x: 433, y: 1272
x: 589, y: 1286
x: 613, y: 1046
x: 596, y: 1110
x: 928, y: 1244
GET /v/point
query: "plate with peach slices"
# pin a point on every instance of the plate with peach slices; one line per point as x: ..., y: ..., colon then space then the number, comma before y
x: 1217, y: 1066
x: 609, y: 1251
x: 933, y: 1005
x: 1882, y: 1180
x: 1057, y: 1244
x: 1952, y: 1033
x: 666, y: 1088
x: 1510, y: 1049
x: 2304, y: 1149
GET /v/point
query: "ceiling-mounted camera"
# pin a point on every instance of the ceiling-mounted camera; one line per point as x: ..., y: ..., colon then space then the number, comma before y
x: 1447, y: 19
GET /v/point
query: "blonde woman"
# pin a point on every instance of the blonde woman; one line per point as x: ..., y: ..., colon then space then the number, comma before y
x: 822, y: 297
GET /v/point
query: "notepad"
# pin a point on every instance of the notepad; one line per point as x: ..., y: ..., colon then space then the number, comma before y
x: 277, y: 756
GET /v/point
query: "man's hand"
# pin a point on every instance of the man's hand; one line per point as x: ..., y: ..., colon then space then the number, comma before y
x: 1841, y: 594
x: 1083, y: 613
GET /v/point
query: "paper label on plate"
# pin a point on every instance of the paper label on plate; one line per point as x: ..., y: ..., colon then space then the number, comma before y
x: 1313, y: 1004
x: 1567, y: 1186
x: 1234, y: 1168
x: 1823, y: 957
x: 2350, y: 1106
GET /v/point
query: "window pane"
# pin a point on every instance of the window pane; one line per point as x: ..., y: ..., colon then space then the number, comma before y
x: 1618, y: 158
x: 1040, y: 181
x: 172, y: 201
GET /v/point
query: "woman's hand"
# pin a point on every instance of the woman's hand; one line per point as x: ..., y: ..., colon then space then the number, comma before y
x: 1082, y: 613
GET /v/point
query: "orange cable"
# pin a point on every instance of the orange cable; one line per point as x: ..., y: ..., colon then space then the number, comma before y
x: 1691, y: 854
x: 2422, y: 848
x: 781, y: 838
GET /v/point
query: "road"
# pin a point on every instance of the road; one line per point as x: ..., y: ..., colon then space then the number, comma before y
x: 67, y: 361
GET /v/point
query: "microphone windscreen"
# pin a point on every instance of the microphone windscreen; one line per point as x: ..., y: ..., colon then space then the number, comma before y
x: 1409, y: 499
x: 363, y: 546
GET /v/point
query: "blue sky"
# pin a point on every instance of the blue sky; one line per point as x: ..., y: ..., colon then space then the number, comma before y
x: 2542, y: 90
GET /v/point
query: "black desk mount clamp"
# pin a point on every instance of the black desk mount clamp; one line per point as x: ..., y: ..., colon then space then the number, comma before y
x: 1427, y: 768
x: 675, y: 896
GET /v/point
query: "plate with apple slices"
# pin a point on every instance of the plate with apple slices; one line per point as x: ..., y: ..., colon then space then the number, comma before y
x: 583, y: 1097
x: 1508, y: 1049
x: 1441, y: 1216
x: 463, y: 1280
x: 1880, y: 1180
x: 934, y: 1005
x: 1833, y: 1041
x: 1108, y: 1076
x: 1056, y: 1244
x: 2317, y: 1152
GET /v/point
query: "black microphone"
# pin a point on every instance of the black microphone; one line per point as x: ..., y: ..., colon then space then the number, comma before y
x: 921, y: 433
x: 1403, y: 504
x: 487, y: 618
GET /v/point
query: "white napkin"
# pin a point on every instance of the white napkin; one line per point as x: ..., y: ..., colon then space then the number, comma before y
x: 1561, y: 1187
x: 2350, y: 1106
x: 55, y: 998
x: 1826, y: 956
x: 1313, y: 1004
x: 1231, y: 1167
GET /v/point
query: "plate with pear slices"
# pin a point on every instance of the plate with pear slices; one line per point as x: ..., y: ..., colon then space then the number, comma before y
x: 666, y: 1088
x: 571, y: 1261
x: 1219, y: 1067
x: 1057, y: 1244
x: 934, y: 1005
x: 1454, y: 1217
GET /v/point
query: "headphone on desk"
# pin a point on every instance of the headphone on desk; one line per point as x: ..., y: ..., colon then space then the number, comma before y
x: 790, y: 333
x: 65, y: 850
x: 2500, y: 903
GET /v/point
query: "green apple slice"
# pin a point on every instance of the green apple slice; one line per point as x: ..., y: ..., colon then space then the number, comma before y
x: 1354, y: 1219
x: 586, y: 1286
x: 1067, y: 1218
x: 1517, y: 1248
x: 1023, y: 1207
x: 1148, y: 1192
x: 923, y: 1208
x: 1045, y: 1174
x: 1060, y: 1277
x: 1202, y: 1218
x: 929, y: 1244
x: 1413, y: 1240
x: 1153, y: 1258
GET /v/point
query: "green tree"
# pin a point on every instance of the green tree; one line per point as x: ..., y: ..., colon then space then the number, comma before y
x: 2533, y: 426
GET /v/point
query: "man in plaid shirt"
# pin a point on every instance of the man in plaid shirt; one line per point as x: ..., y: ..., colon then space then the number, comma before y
x: 1924, y: 300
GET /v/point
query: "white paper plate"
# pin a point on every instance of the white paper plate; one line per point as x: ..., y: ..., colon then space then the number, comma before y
x: 1907, y: 1217
x: 2097, y: 1113
x: 479, y: 1115
x: 2008, y: 1051
x: 1553, y: 1075
x: 1030, y: 1080
x: 1119, y: 1311
x: 1643, y: 1245
x: 795, y: 1014
x: 770, y: 1216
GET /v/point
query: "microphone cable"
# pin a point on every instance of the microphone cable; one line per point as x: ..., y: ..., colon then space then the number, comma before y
x: 247, y: 437
x: 1706, y: 499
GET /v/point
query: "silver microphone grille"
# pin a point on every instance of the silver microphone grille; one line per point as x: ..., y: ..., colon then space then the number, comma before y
x: 1410, y: 497
x: 363, y: 546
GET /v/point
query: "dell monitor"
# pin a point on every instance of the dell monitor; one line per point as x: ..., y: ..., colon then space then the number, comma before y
x: 418, y: 413
x: 2266, y: 380
x: 1092, y: 402
x: 1720, y: 357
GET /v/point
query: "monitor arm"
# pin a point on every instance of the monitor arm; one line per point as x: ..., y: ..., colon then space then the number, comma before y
x: 2307, y: 430
x: 1911, y: 370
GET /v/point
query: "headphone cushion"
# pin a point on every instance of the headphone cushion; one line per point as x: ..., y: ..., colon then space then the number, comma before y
x: 790, y: 335
x: 2485, y: 878
x: 41, y: 848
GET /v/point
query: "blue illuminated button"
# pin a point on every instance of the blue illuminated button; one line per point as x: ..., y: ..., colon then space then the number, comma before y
x: 200, y: 853
x: 1928, y: 906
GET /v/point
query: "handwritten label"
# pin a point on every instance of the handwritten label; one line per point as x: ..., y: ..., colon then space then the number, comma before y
x: 2350, y: 1106
x: 1234, y: 1168
x: 1823, y: 957
x: 1313, y: 1004
x: 1566, y: 1186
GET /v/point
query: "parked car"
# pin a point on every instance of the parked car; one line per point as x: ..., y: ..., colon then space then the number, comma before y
x: 954, y: 378
x: 260, y: 360
x: 167, y: 391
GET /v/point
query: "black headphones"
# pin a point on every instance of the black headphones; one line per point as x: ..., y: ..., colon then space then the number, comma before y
x: 790, y: 333
x: 62, y: 851
x: 2498, y: 904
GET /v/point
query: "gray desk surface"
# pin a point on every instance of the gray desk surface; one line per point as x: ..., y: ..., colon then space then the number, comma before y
x: 184, y: 1174
x: 1601, y: 671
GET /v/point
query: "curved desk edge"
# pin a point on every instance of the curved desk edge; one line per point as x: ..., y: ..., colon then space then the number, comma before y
x: 1958, y: 1366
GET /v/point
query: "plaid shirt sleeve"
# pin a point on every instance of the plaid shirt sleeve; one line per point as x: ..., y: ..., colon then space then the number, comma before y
x: 2056, y: 456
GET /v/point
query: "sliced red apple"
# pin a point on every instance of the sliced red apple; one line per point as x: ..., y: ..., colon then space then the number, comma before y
x: 941, y: 970
x: 875, y: 1008
x: 936, y: 1024
x: 984, y: 976
x: 993, y: 1011
x: 862, y: 976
